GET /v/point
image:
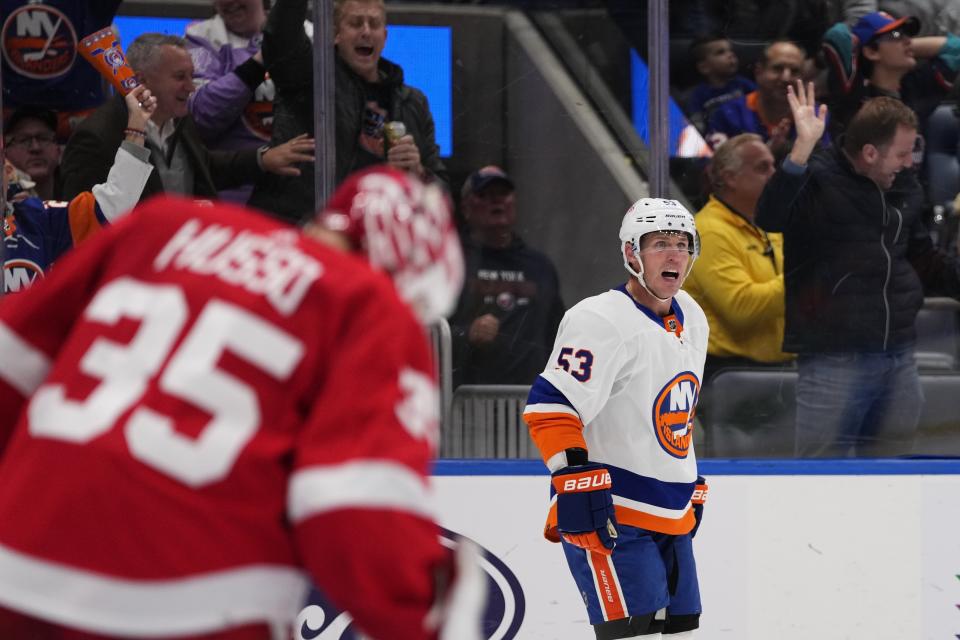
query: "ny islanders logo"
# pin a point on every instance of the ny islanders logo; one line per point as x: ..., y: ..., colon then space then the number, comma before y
x: 19, y: 274
x: 501, y: 619
x: 673, y: 412
x: 39, y: 42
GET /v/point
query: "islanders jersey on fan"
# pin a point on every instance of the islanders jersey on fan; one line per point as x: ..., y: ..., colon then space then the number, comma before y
x: 202, y: 411
x: 623, y: 383
x: 37, y: 233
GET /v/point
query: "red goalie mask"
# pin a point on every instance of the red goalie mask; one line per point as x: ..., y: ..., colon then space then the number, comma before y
x: 405, y: 228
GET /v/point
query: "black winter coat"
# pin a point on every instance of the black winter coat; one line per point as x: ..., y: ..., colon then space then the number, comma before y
x: 288, y: 56
x: 89, y: 154
x: 858, y: 261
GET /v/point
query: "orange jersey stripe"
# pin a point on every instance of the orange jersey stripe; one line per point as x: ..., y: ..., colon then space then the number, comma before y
x: 642, y: 520
x: 608, y: 591
x: 630, y: 517
x: 555, y: 432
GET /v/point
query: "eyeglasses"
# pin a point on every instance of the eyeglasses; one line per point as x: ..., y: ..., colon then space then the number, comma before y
x: 891, y: 36
x: 42, y: 140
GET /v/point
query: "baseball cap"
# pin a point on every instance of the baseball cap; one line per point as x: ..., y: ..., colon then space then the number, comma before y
x: 484, y: 176
x: 877, y: 23
x: 46, y: 116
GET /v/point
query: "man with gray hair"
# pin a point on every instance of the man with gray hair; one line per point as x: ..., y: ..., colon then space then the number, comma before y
x: 738, y: 279
x: 183, y: 164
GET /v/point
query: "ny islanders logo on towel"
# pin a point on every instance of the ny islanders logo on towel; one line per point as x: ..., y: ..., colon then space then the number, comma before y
x: 673, y: 412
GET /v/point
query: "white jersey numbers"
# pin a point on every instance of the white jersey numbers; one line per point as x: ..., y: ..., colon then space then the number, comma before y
x: 125, y: 371
x: 122, y: 369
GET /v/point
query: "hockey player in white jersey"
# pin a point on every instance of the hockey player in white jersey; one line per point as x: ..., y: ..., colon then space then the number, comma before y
x: 612, y: 415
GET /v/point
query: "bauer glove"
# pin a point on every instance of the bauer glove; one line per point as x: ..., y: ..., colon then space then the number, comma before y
x: 585, y: 516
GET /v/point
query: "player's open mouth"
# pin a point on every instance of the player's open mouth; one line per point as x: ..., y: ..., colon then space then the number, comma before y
x: 364, y: 51
x: 670, y: 275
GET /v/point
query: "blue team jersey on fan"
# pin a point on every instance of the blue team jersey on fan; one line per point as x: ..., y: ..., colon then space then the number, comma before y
x: 38, y: 233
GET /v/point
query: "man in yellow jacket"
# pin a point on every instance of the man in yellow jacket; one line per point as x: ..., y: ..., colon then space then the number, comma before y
x: 738, y: 279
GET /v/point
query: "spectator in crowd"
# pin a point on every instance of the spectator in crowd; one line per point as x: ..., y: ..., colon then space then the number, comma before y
x: 232, y: 105
x: 878, y: 56
x: 857, y: 265
x: 508, y: 314
x: 738, y: 279
x: 369, y: 93
x: 717, y: 62
x: 183, y: 164
x: 37, y: 233
x: 764, y: 111
x: 30, y: 139
x: 40, y: 63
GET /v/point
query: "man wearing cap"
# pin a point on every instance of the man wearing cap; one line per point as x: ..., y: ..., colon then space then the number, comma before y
x: 879, y: 56
x: 510, y: 308
x: 30, y: 139
x: 764, y: 111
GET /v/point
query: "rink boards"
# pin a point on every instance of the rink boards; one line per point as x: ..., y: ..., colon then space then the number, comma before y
x: 788, y: 549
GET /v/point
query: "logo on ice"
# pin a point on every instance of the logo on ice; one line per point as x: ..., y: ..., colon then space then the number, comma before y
x: 506, y: 605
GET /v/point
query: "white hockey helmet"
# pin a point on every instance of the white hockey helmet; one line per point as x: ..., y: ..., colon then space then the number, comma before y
x: 651, y: 215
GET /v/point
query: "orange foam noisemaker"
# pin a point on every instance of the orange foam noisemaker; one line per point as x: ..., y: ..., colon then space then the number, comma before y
x: 102, y: 50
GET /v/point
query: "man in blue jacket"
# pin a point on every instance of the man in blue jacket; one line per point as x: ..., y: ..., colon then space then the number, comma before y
x: 858, y: 261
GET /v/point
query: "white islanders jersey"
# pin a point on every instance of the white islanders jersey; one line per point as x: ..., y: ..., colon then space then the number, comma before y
x: 623, y: 382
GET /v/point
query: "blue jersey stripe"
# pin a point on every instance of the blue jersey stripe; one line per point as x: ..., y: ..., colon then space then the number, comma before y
x: 542, y: 392
x: 667, y: 495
